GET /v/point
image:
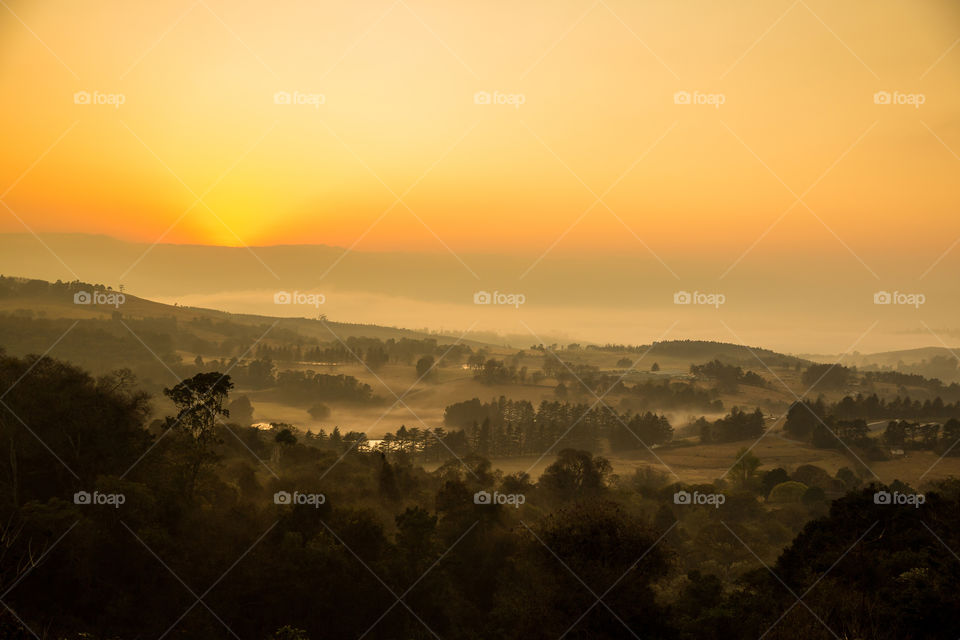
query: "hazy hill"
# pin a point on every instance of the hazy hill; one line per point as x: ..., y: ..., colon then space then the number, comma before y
x: 625, y: 297
x: 706, y: 350
x: 905, y: 356
x: 26, y: 297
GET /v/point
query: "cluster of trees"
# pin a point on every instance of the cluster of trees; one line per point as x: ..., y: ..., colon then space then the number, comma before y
x: 929, y: 435
x: 807, y: 483
x: 332, y: 353
x: 297, y: 386
x: 565, y: 371
x: 580, y: 377
x: 335, y: 440
x: 259, y: 373
x: 209, y: 508
x: 827, y: 376
x: 424, y: 444
x: 728, y: 377
x: 814, y: 422
x: 736, y: 425
x: 670, y: 395
x: 514, y: 427
x: 831, y: 427
x: 493, y: 371
x: 310, y: 387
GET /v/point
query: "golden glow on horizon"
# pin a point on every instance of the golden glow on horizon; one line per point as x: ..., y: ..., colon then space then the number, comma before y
x: 399, y: 83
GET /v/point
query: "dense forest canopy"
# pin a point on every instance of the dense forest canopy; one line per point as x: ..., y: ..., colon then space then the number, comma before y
x: 275, y: 533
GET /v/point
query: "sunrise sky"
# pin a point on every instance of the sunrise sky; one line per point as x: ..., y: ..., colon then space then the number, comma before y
x: 399, y: 118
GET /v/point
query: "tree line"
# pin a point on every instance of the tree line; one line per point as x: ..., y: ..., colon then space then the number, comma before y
x: 506, y: 427
x: 872, y: 407
x: 402, y: 351
x: 736, y: 425
x: 832, y: 427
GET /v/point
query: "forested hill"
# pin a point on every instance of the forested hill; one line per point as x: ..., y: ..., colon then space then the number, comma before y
x: 706, y: 350
x: 32, y: 298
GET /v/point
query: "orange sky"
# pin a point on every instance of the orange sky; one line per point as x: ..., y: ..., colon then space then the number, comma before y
x: 398, y: 80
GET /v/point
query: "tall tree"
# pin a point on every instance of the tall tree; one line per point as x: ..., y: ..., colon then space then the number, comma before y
x: 200, y: 404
